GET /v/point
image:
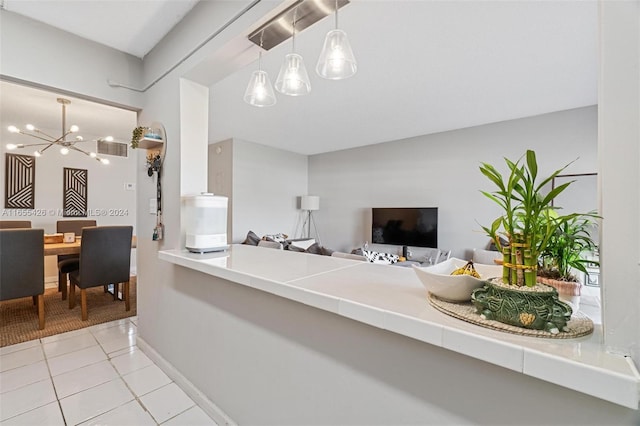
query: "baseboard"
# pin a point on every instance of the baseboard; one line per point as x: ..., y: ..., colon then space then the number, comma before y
x: 209, y: 407
x: 51, y: 282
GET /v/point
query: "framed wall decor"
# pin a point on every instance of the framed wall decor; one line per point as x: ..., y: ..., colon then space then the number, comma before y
x: 20, y: 181
x: 74, y: 186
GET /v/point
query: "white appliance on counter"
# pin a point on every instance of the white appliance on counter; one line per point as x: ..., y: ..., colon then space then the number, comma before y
x: 205, y: 219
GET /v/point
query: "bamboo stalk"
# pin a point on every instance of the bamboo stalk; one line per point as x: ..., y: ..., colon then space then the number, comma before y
x: 506, y: 262
x: 513, y: 278
x: 529, y: 272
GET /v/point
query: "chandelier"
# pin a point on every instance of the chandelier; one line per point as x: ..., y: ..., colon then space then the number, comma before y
x: 61, y: 141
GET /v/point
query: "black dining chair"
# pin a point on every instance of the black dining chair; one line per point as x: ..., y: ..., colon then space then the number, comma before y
x: 22, y: 266
x: 69, y: 262
x: 13, y: 224
x: 105, y: 258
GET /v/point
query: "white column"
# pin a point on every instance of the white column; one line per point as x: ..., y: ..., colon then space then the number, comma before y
x: 618, y: 172
x: 194, y: 137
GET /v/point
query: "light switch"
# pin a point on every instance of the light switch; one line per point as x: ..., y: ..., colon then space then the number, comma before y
x: 153, y: 206
x: 128, y: 186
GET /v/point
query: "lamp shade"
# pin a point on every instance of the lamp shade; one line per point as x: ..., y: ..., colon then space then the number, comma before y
x: 310, y: 202
x: 336, y: 60
x: 293, y: 79
x: 259, y: 90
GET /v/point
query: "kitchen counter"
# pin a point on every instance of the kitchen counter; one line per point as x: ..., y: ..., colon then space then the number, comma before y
x: 393, y: 299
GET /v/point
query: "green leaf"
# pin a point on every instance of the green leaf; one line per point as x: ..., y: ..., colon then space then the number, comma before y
x: 492, y: 174
x: 532, y: 163
x: 501, y: 203
x: 554, y: 193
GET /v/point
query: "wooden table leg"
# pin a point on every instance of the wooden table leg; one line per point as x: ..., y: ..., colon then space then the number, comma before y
x: 127, y: 302
x: 41, y: 311
x: 83, y: 304
x: 72, y: 295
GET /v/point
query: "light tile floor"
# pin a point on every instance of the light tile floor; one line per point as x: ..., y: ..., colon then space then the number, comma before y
x: 93, y: 376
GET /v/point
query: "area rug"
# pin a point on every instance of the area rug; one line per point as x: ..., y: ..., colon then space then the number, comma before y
x: 19, y: 317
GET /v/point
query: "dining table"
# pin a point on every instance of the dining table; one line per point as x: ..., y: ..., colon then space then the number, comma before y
x: 55, y: 249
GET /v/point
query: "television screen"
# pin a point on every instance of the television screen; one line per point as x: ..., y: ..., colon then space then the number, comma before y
x: 405, y: 226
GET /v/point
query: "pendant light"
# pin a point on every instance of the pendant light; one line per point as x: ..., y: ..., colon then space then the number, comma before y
x: 259, y: 91
x: 293, y: 79
x: 336, y: 61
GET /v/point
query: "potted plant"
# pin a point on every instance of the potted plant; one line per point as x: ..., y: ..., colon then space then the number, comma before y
x: 564, y: 254
x: 136, y: 135
x: 527, y: 224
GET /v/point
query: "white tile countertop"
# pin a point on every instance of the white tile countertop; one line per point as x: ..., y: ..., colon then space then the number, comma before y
x: 393, y: 299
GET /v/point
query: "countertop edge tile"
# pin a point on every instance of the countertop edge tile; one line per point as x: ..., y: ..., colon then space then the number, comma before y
x: 362, y: 313
x: 595, y: 381
x: 415, y: 328
x: 484, y: 348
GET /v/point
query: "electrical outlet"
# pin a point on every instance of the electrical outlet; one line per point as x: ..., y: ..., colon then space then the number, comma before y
x: 128, y: 186
x: 153, y: 206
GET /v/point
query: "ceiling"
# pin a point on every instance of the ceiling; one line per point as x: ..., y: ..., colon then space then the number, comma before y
x: 423, y: 66
x: 133, y: 26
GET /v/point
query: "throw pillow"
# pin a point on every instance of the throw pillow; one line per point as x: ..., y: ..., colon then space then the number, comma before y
x: 252, y: 239
x: 315, y: 248
x: 278, y: 238
x: 382, y: 258
x: 303, y: 244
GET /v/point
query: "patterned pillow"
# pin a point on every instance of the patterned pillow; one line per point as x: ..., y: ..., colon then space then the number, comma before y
x: 382, y: 258
x: 278, y: 238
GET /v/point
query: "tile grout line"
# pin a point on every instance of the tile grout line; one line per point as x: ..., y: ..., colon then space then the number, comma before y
x: 55, y: 391
x: 129, y: 349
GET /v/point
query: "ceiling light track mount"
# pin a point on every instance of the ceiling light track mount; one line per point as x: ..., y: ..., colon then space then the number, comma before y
x: 304, y: 12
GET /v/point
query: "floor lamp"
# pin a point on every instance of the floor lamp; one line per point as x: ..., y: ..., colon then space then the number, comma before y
x: 310, y: 203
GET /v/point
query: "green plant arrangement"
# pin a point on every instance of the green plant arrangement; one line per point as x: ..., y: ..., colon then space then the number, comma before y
x: 565, y: 249
x: 528, y: 222
x: 136, y: 135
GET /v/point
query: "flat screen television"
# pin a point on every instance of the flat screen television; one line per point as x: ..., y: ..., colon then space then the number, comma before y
x: 405, y: 226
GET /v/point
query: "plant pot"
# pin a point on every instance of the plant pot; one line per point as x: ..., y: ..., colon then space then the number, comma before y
x: 568, y: 291
x: 536, y: 307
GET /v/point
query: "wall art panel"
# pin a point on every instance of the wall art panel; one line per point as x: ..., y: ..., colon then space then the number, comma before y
x: 20, y: 180
x: 75, y: 192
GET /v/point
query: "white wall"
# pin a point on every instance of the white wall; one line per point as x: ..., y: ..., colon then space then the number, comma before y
x: 441, y: 170
x: 220, y: 176
x: 263, y: 185
x: 619, y: 166
x: 266, y: 185
x: 43, y: 55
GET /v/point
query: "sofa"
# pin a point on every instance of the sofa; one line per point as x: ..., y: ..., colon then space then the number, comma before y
x: 283, y: 242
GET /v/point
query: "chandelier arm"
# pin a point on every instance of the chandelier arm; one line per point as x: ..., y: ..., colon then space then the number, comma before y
x: 50, y: 145
x: 51, y: 140
x: 63, y: 138
x: 41, y: 132
x: 79, y: 150
x: 33, y: 144
x: 86, y: 153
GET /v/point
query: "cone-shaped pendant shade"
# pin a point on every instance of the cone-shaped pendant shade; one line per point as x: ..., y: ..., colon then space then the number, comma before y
x: 336, y: 60
x: 293, y: 79
x: 259, y: 91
